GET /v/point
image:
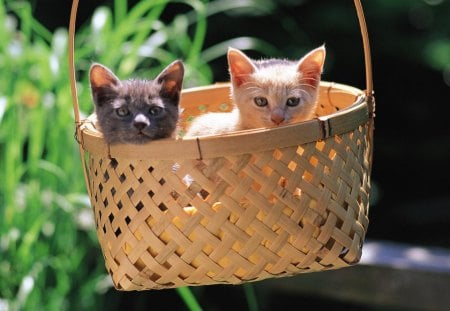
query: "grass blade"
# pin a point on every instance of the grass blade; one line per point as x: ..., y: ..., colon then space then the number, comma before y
x: 188, y: 298
x: 250, y: 294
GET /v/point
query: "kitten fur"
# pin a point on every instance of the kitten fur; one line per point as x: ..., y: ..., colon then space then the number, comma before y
x: 136, y: 111
x: 266, y: 93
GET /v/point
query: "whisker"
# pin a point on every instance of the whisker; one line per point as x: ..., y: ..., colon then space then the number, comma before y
x: 309, y: 82
x: 249, y: 83
x: 309, y: 79
x: 307, y: 85
x: 300, y: 92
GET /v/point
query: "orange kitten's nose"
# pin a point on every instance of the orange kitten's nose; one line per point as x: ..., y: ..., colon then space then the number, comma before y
x: 277, y: 117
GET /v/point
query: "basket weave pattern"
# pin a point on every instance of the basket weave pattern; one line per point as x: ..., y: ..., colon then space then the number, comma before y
x: 240, y: 218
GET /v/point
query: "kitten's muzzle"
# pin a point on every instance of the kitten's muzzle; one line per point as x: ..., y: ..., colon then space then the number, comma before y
x: 141, y: 122
x: 140, y: 126
x: 277, y: 116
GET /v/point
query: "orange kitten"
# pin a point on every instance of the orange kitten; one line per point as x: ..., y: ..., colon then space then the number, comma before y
x: 266, y: 93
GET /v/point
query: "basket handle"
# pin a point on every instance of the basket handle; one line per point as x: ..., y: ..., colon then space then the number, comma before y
x: 73, y: 81
x: 73, y: 87
x: 366, y: 47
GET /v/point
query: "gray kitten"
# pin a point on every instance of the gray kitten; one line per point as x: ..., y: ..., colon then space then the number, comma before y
x: 136, y: 111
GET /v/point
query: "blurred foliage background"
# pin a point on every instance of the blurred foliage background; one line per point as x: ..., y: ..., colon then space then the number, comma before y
x: 49, y: 257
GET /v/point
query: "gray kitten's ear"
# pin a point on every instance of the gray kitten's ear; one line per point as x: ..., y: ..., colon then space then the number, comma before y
x: 171, y: 79
x: 100, y: 76
x: 311, y: 66
x: 240, y: 66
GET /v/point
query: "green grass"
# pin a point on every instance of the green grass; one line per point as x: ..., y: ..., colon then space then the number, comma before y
x: 49, y: 255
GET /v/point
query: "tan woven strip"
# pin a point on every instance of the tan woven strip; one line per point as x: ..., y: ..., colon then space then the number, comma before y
x: 249, y: 141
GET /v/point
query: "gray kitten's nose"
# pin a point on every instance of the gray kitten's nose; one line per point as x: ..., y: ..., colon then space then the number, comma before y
x: 140, y: 122
x: 139, y: 125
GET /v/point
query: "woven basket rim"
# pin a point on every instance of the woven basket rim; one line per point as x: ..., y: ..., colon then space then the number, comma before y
x: 241, y: 142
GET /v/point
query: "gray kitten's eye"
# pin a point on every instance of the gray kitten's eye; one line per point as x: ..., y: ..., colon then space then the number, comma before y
x: 154, y: 111
x: 293, y: 101
x: 122, y: 111
x: 260, y: 101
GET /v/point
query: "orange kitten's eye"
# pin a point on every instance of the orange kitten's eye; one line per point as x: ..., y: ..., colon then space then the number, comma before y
x: 260, y: 101
x: 154, y: 111
x: 122, y: 111
x: 292, y: 101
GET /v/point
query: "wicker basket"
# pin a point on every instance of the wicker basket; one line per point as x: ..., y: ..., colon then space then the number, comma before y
x: 261, y: 203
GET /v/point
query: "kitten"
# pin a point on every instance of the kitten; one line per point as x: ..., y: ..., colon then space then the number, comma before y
x: 266, y: 93
x: 136, y: 111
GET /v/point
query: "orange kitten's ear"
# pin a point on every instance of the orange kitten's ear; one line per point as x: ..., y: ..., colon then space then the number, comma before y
x: 240, y: 66
x: 171, y: 79
x: 311, y: 66
x: 100, y: 76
